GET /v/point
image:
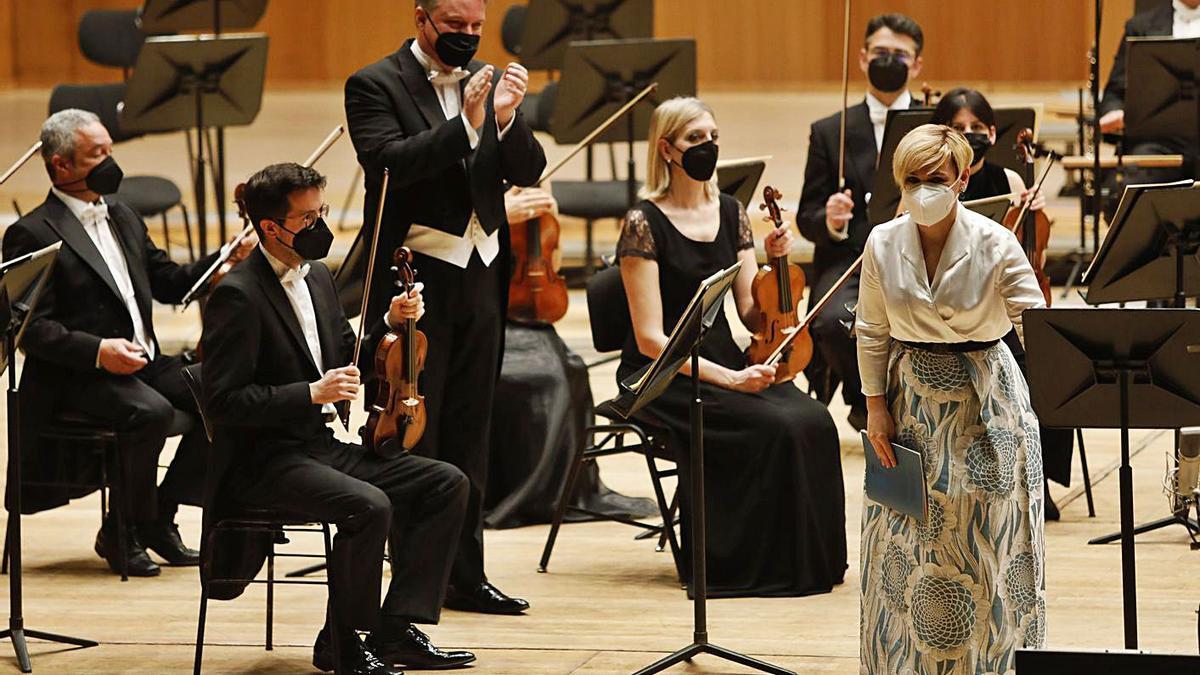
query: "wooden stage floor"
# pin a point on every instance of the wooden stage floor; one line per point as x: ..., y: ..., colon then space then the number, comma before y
x: 609, y: 604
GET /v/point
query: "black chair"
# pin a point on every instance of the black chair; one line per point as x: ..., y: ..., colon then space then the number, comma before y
x: 610, y: 324
x: 272, y: 523
x: 81, y: 433
x: 112, y: 38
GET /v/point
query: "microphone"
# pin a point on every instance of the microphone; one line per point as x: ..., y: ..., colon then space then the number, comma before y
x: 1187, y: 477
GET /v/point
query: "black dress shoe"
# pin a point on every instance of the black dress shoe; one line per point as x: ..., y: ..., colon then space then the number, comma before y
x: 412, y: 649
x: 137, y: 563
x: 857, y: 418
x: 164, y: 539
x: 1049, y: 508
x: 357, y: 658
x: 485, y: 599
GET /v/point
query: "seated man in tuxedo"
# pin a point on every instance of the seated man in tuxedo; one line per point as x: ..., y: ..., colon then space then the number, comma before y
x: 276, y: 345
x: 835, y: 218
x: 1178, y: 19
x: 91, y: 346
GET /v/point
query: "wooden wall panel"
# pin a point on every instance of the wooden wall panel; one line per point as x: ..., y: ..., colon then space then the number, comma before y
x: 742, y: 44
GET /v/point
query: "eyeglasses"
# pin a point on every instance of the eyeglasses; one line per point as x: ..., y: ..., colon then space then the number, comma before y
x: 901, y: 55
x: 308, y: 219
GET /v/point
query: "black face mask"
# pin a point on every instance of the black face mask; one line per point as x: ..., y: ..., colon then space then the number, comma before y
x: 103, y: 179
x: 313, y: 242
x: 979, y: 145
x: 700, y: 161
x: 887, y: 73
x: 454, y: 49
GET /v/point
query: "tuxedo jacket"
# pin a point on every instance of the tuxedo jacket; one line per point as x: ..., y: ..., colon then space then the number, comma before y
x: 1156, y: 22
x: 255, y: 377
x: 820, y: 181
x: 436, y: 179
x: 79, y: 306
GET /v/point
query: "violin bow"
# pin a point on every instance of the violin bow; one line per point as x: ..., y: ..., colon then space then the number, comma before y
x: 20, y: 162
x: 597, y: 131
x: 841, y: 183
x: 343, y: 408
x: 194, y: 291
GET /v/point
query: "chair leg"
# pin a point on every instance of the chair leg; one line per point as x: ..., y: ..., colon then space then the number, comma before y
x: 1087, y: 477
x: 668, y: 515
x: 200, y: 628
x: 271, y: 596
x: 669, y: 523
x: 560, y: 509
x: 335, y: 633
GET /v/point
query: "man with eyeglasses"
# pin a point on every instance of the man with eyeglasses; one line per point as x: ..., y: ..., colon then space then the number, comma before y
x: 277, y: 350
x: 834, y: 219
x: 449, y: 130
x: 92, y: 351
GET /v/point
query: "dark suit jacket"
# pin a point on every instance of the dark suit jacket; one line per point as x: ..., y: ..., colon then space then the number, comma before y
x: 820, y: 181
x: 396, y: 121
x: 256, y: 372
x: 79, y: 306
x: 1156, y: 22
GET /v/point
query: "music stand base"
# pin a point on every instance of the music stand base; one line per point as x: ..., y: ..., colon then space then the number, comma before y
x: 704, y: 647
x: 18, y: 635
x: 1181, y: 518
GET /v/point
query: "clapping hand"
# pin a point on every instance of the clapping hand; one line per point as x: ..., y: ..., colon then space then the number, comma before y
x: 510, y: 91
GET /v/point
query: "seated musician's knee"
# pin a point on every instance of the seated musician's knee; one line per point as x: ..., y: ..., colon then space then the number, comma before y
x: 150, y: 416
x: 450, y: 484
x: 372, y: 509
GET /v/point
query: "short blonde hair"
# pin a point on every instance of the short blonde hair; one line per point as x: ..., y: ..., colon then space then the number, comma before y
x: 669, y: 118
x: 926, y: 148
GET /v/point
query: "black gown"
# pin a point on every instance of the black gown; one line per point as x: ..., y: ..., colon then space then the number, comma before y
x: 773, y: 476
x: 1058, y: 445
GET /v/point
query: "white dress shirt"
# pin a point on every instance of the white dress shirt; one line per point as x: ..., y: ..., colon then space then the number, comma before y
x: 1187, y: 21
x: 877, y: 111
x: 980, y: 288
x: 292, y: 280
x: 95, y: 221
x: 432, y: 241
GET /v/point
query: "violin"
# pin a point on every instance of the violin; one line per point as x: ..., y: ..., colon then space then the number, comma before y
x: 396, y: 420
x: 777, y: 290
x: 536, y: 292
x: 1032, y: 228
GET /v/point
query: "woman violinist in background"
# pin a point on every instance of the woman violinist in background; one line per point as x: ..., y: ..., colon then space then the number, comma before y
x: 967, y: 111
x: 774, y: 496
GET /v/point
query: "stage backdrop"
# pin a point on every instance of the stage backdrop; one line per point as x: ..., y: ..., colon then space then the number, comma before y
x: 743, y: 44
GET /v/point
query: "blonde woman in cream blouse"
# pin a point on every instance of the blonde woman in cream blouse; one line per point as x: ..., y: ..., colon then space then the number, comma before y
x: 940, y: 286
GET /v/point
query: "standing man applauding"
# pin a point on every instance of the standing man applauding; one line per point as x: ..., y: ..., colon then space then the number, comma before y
x: 449, y: 131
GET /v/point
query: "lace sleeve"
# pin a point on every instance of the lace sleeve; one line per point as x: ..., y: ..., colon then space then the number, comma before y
x: 636, y: 237
x: 745, y: 238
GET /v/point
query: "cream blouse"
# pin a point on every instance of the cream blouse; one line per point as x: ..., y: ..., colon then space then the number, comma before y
x: 982, y: 285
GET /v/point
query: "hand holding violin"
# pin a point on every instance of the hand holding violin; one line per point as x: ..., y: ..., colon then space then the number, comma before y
x: 405, y: 306
x: 778, y: 242
x: 522, y: 204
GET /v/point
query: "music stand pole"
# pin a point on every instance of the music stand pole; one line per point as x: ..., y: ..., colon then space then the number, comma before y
x: 12, y: 316
x: 1096, y: 177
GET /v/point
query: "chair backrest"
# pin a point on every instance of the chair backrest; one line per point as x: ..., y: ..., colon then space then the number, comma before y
x: 513, y: 28
x: 608, y: 310
x: 191, y: 377
x: 102, y: 99
x: 111, y: 37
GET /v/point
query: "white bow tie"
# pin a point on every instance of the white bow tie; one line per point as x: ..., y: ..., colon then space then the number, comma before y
x: 455, y: 76
x: 293, y: 275
x: 94, y: 214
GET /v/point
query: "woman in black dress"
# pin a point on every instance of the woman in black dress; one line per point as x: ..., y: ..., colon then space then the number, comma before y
x: 773, y: 477
x: 967, y: 111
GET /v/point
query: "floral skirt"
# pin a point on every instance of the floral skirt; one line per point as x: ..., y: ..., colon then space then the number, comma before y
x: 964, y: 591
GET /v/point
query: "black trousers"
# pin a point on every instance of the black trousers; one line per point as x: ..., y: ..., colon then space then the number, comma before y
x: 141, y: 407
x: 830, y: 337
x: 413, y: 503
x: 464, y: 325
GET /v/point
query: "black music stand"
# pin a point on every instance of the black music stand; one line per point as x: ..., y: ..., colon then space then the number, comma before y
x: 885, y: 196
x: 20, y: 284
x: 1009, y: 123
x: 992, y: 208
x: 1115, y: 368
x: 551, y: 25
x: 642, y: 388
x: 739, y: 178
x: 599, y: 77
x: 1152, y: 250
x: 1163, y: 90
x: 181, y: 83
